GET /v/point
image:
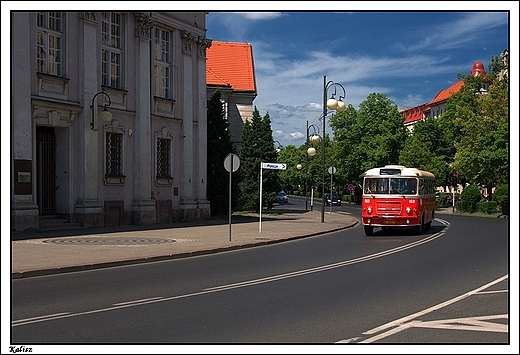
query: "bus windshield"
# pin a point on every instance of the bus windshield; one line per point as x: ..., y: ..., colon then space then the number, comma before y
x: 391, y: 185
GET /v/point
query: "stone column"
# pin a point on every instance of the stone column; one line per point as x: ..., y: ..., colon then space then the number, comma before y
x: 202, y: 147
x: 88, y: 208
x: 143, y: 206
x: 188, y: 204
x: 24, y: 213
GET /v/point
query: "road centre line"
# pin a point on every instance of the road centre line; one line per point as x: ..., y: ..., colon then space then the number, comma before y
x: 233, y: 286
x: 40, y: 318
x: 328, y: 267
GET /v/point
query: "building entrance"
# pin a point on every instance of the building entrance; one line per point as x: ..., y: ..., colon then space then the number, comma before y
x: 46, y: 170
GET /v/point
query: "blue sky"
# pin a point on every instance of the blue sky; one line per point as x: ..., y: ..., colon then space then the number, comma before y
x: 408, y: 56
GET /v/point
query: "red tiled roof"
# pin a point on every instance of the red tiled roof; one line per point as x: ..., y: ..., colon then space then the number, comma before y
x: 417, y: 113
x: 444, y: 95
x: 413, y: 114
x: 230, y: 63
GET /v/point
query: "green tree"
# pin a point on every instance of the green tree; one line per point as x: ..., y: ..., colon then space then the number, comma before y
x: 292, y: 179
x: 257, y: 147
x: 219, y: 146
x: 469, y: 198
x: 426, y: 149
x: 482, y: 147
x: 501, y: 196
x: 371, y: 136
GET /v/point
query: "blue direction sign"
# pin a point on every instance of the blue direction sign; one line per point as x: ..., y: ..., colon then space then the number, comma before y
x: 274, y: 166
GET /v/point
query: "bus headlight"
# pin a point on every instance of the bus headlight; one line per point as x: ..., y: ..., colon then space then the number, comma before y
x: 408, y: 210
x: 369, y: 209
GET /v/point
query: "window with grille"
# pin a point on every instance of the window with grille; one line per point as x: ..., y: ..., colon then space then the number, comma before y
x: 112, y: 49
x: 114, y: 145
x: 163, y: 158
x: 49, y: 42
x: 162, y: 63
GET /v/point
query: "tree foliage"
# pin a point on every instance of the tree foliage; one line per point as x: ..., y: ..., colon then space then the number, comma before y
x: 257, y: 148
x: 371, y: 136
x: 428, y: 149
x: 291, y: 178
x: 482, y: 147
x: 471, y: 138
x: 219, y: 146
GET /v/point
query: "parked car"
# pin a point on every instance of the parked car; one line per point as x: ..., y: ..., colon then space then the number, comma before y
x: 282, y: 197
x: 334, y: 200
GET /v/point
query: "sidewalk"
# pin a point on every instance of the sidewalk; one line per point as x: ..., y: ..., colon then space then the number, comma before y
x: 34, y: 254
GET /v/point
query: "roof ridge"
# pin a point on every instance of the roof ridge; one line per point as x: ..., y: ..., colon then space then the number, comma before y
x: 231, y: 42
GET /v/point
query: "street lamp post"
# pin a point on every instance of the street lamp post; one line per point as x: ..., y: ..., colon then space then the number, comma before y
x: 311, y: 151
x: 278, y: 147
x: 332, y: 104
x: 306, y: 167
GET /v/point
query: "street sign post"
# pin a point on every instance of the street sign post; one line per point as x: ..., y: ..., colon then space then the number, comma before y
x: 231, y: 163
x: 332, y: 171
x: 272, y: 166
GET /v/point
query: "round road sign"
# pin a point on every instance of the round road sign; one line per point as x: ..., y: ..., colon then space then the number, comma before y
x: 227, y: 162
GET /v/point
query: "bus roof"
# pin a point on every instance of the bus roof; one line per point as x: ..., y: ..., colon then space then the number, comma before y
x: 398, y: 170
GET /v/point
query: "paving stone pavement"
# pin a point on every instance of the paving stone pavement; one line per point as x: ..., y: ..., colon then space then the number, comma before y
x: 44, y: 253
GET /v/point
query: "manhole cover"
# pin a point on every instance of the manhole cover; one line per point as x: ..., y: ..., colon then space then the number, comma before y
x: 109, y: 241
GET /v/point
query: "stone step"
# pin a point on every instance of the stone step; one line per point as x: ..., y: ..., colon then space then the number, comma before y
x: 54, y: 223
x: 47, y: 221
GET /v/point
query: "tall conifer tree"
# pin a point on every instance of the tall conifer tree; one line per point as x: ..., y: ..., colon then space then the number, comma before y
x: 219, y: 146
x: 257, y: 147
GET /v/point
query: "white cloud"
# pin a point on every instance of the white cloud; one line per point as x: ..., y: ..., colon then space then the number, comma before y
x: 290, y: 77
x: 454, y: 35
x: 261, y: 15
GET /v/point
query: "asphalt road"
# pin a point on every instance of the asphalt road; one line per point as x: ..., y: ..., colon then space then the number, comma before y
x: 449, y: 285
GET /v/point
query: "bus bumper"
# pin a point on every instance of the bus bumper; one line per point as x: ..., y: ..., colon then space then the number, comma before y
x: 377, y: 221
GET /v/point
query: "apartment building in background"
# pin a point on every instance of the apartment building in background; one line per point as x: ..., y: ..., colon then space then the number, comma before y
x: 437, y: 106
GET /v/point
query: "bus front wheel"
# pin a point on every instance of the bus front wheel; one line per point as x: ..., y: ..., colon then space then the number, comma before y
x: 418, y: 229
x: 369, y: 230
x: 428, y: 224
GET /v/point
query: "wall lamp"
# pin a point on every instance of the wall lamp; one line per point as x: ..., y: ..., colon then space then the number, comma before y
x: 105, y: 115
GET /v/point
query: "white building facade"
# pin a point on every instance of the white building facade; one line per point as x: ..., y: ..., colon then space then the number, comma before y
x: 146, y: 164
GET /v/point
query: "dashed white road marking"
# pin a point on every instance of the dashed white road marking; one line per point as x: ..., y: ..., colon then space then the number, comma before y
x: 136, y: 303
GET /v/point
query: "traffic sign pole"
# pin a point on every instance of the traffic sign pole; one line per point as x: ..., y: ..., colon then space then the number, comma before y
x: 231, y: 164
x: 261, y: 207
x: 332, y: 171
x: 230, y: 176
x: 272, y: 166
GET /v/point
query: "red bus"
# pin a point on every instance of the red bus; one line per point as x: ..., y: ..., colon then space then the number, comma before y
x: 397, y: 196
